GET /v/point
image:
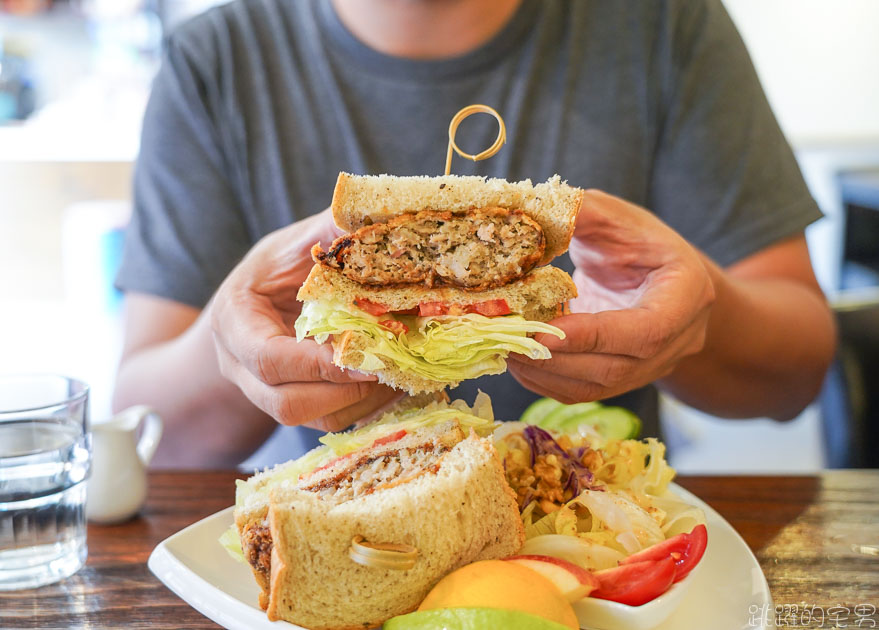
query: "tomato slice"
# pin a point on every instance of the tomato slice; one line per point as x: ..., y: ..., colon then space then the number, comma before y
x: 491, y: 308
x: 393, y: 437
x: 370, y: 307
x: 396, y: 327
x: 432, y: 309
x: 685, y: 549
x: 636, y: 583
x: 488, y: 308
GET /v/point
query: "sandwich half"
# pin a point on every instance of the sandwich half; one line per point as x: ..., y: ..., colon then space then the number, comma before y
x: 439, y: 279
x: 421, y: 478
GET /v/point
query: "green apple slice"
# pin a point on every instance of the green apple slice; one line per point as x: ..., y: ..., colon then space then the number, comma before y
x: 470, y: 619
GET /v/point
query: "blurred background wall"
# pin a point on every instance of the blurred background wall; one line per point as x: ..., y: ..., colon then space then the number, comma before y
x: 74, y: 78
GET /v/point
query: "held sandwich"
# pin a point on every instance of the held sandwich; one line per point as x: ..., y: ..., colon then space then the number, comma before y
x: 439, y: 277
x: 360, y: 529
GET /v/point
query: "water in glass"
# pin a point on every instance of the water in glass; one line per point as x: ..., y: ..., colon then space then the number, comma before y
x: 44, y: 464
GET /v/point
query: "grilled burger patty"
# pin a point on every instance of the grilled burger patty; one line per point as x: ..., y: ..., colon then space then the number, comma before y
x: 477, y: 249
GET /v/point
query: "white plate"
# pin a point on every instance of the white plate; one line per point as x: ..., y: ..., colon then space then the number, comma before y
x: 728, y: 593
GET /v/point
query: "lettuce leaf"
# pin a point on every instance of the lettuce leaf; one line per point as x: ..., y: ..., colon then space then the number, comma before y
x: 232, y: 544
x: 446, y: 348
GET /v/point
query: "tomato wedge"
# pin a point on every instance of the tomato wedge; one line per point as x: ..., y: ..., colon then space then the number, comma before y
x: 685, y: 549
x: 370, y: 307
x: 636, y: 583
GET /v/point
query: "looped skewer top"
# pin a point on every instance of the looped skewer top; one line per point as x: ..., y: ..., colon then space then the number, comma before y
x: 382, y: 555
x: 453, y: 127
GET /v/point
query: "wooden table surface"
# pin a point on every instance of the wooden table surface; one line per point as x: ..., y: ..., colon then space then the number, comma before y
x: 802, y: 530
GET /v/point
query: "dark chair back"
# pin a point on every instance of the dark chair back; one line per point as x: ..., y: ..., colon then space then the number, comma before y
x: 850, y: 398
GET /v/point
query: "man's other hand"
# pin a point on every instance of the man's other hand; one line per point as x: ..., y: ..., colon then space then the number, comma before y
x: 643, y: 305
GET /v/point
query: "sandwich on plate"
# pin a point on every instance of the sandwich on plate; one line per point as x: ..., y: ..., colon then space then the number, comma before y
x: 360, y: 529
x: 439, y: 278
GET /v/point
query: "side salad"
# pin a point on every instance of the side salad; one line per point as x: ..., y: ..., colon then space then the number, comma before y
x: 592, y: 495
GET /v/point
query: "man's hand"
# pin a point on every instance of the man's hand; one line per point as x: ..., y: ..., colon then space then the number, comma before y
x: 643, y: 305
x: 252, y: 318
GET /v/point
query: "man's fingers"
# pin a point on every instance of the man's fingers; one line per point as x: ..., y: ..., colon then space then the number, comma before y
x: 635, y: 332
x: 282, y: 359
x: 562, y: 388
x: 300, y: 403
x: 607, y: 370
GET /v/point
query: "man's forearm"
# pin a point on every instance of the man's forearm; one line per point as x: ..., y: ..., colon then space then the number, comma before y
x: 208, y: 421
x: 767, y: 348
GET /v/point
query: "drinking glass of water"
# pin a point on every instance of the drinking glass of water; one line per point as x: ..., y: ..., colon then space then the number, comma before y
x: 45, y: 459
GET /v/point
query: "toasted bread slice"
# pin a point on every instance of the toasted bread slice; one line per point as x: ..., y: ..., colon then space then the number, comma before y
x: 360, y: 200
x: 462, y: 512
x: 535, y: 296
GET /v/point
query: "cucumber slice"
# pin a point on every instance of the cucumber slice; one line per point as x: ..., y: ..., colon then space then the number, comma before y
x: 538, y: 410
x: 613, y: 423
x: 564, y: 414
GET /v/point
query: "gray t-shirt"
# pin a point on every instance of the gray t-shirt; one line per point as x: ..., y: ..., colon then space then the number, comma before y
x: 260, y: 103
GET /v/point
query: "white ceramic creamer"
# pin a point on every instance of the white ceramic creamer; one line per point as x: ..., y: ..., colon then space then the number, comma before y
x: 118, y: 484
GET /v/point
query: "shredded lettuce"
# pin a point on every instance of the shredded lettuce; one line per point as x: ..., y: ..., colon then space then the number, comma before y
x: 446, y: 348
x: 349, y: 441
x: 561, y: 521
x: 635, y: 465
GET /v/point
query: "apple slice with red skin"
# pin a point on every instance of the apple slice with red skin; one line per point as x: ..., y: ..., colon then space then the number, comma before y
x: 636, y: 583
x: 573, y: 581
x: 685, y: 549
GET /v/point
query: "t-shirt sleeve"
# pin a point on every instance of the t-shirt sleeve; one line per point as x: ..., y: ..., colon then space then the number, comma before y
x: 724, y: 176
x: 187, y: 229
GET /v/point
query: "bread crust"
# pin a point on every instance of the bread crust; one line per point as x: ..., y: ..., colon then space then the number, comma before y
x: 360, y: 200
